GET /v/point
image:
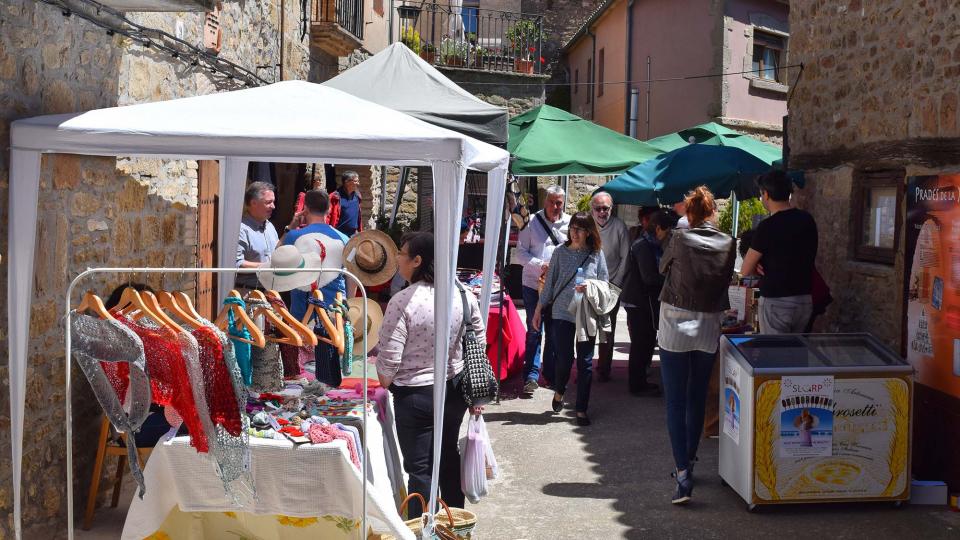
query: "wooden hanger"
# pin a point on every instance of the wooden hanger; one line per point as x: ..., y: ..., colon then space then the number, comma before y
x: 160, y: 315
x: 93, y: 303
x: 167, y: 302
x: 338, y: 318
x: 335, y: 339
x: 131, y: 301
x: 186, y: 305
x: 240, y: 316
x: 306, y: 334
x: 290, y: 336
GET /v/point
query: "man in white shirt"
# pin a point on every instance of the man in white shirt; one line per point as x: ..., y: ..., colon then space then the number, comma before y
x: 615, y: 241
x: 546, y: 230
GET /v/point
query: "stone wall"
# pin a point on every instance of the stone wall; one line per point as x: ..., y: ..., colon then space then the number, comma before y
x: 873, y: 71
x: 875, y: 93
x: 96, y: 211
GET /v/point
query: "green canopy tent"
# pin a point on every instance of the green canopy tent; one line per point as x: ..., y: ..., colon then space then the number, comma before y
x: 547, y: 141
x: 716, y: 135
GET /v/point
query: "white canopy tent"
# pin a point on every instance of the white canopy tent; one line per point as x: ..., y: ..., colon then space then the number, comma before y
x: 293, y: 122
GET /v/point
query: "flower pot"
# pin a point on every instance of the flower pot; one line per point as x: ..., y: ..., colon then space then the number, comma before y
x: 454, y: 61
x: 523, y: 66
x: 429, y: 56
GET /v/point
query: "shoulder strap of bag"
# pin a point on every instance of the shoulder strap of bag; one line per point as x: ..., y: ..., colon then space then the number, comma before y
x: 567, y: 282
x: 467, y: 323
x: 548, y: 228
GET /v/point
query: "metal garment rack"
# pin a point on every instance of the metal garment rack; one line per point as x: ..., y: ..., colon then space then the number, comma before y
x: 68, y: 363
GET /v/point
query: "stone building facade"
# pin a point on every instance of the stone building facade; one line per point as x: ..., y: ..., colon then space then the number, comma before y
x: 97, y: 211
x: 876, y: 102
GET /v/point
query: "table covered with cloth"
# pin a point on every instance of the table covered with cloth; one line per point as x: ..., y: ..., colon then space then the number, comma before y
x: 310, y: 490
x: 510, y: 330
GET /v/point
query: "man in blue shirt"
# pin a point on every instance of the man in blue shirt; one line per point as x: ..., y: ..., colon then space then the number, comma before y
x: 316, y: 205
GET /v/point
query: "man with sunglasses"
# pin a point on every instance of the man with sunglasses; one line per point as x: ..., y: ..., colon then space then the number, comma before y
x: 546, y: 230
x: 615, y: 239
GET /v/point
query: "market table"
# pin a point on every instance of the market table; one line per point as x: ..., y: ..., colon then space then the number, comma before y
x: 310, y: 490
x: 511, y: 331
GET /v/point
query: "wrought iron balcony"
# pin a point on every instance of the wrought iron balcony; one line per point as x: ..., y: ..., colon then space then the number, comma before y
x: 473, y: 38
x: 336, y: 26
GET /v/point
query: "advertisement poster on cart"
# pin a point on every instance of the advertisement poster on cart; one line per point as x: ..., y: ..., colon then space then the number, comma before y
x: 731, y: 401
x: 806, y: 416
x: 871, y: 427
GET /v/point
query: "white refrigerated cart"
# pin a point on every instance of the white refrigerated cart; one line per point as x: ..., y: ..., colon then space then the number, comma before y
x: 814, y: 418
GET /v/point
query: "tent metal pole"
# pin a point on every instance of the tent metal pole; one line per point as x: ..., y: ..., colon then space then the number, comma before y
x: 736, y: 213
x: 401, y: 187
x: 69, y: 351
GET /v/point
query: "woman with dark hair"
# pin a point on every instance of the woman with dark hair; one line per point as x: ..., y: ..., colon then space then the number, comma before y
x: 405, y: 365
x: 697, y: 265
x: 579, y: 258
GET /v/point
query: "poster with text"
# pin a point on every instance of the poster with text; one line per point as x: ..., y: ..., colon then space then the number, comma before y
x: 932, y: 280
x: 731, y: 400
x: 806, y: 416
x: 870, y: 446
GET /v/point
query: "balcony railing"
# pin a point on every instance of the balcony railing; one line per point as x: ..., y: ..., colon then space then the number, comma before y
x: 473, y: 38
x: 348, y: 14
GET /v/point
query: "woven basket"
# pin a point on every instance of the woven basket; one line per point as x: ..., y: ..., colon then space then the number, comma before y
x: 463, y: 521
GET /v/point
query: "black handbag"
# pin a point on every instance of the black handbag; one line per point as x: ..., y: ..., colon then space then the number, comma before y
x: 479, y: 385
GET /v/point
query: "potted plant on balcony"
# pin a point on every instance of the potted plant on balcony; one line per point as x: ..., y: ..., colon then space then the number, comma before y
x: 479, y: 53
x: 454, y: 52
x: 411, y: 38
x: 524, y: 36
x: 429, y: 53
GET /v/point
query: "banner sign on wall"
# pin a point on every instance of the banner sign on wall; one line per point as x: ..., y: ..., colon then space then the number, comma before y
x: 932, y: 287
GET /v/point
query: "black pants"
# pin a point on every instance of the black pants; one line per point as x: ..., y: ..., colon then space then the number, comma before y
x: 643, y: 339
x: 605, y: 350
x: 414, y: 414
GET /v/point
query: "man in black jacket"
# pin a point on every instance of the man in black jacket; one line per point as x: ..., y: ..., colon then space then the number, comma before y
x: 640, y: 298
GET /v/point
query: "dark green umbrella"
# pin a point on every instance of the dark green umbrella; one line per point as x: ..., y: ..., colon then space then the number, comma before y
x: 547, y: 141
x: 668, y: 177
x: 716, y: 135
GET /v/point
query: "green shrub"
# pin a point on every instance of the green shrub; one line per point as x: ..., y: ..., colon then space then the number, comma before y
x: 748, y: 209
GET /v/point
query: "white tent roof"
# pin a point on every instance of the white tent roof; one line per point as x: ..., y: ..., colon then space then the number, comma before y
x: 286, y: 121
x: 397, y: 78
x: 290, y: 121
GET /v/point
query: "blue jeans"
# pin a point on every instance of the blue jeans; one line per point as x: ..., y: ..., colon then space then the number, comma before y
x: 564, y: 336
x: 686, y: 378
x: 532, y: 358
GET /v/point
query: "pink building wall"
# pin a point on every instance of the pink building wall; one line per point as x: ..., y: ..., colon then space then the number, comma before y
x: 741, y: 101
x: 679, y: 38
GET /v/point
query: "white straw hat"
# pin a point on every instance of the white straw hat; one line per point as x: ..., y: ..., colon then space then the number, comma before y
x: 284, y: 260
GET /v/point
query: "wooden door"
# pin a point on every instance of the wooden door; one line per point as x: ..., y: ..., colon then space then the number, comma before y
x: 207, y: 226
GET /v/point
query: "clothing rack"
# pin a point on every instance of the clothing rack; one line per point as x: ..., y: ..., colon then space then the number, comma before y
x: 144, y: 270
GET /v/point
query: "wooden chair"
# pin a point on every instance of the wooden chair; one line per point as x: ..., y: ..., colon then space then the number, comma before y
x: 103, y: 450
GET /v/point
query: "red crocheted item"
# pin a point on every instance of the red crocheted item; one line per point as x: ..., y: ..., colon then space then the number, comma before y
x: 218, y: 387
x: 169, y: 378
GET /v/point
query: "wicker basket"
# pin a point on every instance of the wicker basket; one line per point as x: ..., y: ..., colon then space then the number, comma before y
x: 463, y: 521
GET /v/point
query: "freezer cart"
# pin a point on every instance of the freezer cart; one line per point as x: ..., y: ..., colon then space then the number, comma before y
x: 814, y: 418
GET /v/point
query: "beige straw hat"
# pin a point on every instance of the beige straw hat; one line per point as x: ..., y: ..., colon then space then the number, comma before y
x: 372, y: 256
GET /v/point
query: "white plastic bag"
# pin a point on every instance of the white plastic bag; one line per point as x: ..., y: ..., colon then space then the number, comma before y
x: 473, y: 469
x: 492, y: 469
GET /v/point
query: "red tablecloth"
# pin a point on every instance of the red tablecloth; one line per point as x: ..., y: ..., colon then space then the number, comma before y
x: 512, y: 332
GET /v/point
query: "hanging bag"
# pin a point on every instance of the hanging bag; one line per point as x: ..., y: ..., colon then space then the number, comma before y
x: 473, y: 461
x: 479, y: 385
